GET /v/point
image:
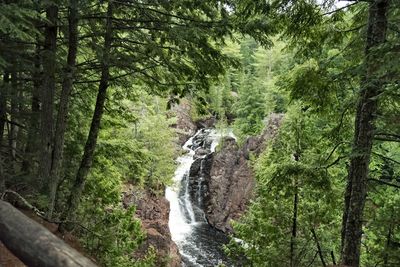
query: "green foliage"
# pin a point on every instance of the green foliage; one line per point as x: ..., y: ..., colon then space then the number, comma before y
x: 382, y: 233
x: 323, y: 84
x: 250, y: 109
x: 134, y: 147
x: 16, y: 29
x: 266, y: 228
x: 258, y: 92
x: 112, y: 233
x: 157, y: 138
x: 250, y: 92
x: 222, y: 55
x: 16, y: 20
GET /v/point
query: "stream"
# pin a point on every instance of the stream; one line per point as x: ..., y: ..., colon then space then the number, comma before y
x: 198, y: 243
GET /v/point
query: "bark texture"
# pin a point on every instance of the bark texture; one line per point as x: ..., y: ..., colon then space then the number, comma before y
x: 3, y: 117
x: 371, y: 87
x: 12, y: 137
x: 32, y: 141
x: 62, y: 114
x: 47, y: 93
x: 33, y: 243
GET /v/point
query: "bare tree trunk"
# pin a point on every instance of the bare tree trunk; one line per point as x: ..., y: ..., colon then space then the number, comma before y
x: 47, y: 93
x: 294, y: 226
x: 3, y: 117
x: 319, y: 249
x: 90, y: 146
x: 3, y: 104
x: 347, y: 195
x: 371, y: 87
x: 12, y: 137
x: 2, y: 178
x: 388, y: 242
x: 35, y: 245
x: 293, y: 241
x: 33, y: 130
x: 62, y: 115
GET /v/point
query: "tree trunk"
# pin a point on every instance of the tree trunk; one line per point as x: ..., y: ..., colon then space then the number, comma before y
x: 2, y: 178
x: 33, y: 137
x: 319, y: 249
x: 388, y: 242
x: 371, y: 87
x: 3, y: 117
x: 347, y: 195
x: 3, y: 104
x: 12, y: 137
x: 62, y: 115
x: 87, y: 158
x: 294, y: 226
x: 47, y: 93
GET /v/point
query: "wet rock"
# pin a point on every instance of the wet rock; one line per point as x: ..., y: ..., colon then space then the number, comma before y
x: 230, y: 183
x: 153, y: 211
x: 230, y: 186
x: 201, y: 152
x: 195, y: 168
x: 198, y: 180
x: 199, y: 141
x: 206, y: 123
x: 199, y: 172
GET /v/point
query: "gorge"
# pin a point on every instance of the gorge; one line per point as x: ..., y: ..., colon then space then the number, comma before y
x: 199, y: 243
x: 213, y: 185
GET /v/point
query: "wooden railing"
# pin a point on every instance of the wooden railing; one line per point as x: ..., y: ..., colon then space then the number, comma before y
x: 33, y: 244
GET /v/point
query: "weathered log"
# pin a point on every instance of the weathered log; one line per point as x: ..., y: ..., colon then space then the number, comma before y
x: 33, y: 244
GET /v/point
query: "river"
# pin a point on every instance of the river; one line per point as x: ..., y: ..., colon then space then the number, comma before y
x: 198, y: 243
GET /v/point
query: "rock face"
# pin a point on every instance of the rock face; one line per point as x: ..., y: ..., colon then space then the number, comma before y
x: 256, y: 145
x: 184, y: 126
x: 230, y: 186
x: 225, y: 178
x: 206, y: 123
x: 153, y: 211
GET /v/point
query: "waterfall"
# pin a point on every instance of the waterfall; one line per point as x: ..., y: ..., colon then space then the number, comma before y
x: 198, y: 243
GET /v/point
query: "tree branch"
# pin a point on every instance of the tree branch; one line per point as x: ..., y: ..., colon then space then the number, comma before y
x: 338, y: 9
x: 387, y: 158
x: 385, y: 183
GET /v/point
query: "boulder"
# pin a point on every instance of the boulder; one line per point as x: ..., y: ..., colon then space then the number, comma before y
x: 206, y: 123
x: 201, y: 152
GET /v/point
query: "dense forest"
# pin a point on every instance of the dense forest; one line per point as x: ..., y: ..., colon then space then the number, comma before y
x: 89, y: 97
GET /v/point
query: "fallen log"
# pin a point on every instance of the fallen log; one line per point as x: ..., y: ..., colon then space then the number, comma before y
x: 33, y: 244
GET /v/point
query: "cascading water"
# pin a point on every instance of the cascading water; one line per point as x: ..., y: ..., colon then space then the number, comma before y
x: 198, y: 243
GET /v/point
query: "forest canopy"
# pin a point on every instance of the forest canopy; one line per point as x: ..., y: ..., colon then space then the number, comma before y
x: 85, y: 99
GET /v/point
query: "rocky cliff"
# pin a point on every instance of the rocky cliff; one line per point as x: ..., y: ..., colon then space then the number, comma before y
x: 230, y: 186
x: 184, y: 125
x: 257, y: 144
x: 225, y: 178
x: 153, y: 211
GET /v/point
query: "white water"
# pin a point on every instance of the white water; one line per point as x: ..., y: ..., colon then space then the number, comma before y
x: 185, y: 230
x: 178, y: 224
